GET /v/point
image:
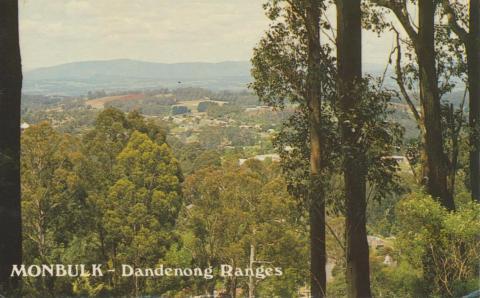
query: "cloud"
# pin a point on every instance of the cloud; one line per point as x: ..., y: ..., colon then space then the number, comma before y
x: 60, y: 31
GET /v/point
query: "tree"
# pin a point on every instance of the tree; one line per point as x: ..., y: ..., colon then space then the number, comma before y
x: 425, y: 228
x: 54, y: 211
x: 211, y: 138
x: 349, y: 57
x: 318, y: 258
x: 473, y: 60
x: 207, y: 158
x: 242, y: 216
x: 111, y: 133
x: 141, y: 207
x: 223, y: 111
x: 215, y: 220
x: 186, y: 154
x: 423, y: 42
x: 130, y: 166
x: 471, y: 41
x: 10, y: 94
x: 112, y: 196
x: 281, y: 72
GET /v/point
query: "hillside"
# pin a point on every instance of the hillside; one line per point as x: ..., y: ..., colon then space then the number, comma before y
x: 80, y: 77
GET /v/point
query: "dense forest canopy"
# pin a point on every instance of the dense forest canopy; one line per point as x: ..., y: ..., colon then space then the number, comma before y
x: 319, y: 180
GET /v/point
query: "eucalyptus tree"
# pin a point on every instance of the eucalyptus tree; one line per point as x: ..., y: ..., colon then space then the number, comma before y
x: 10, y: 93
x: 242, y: 216
x: 436, y: 167
x: 349, y: 64
x: 287, y: 65
x: 466, y: 25
x: 282, y: 75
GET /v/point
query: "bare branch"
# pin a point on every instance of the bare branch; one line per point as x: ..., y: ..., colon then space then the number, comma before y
x: 399, y: 8
x: 333, y: 36
x: 342, y: 245
x: 401, y: 81
x: 384, y: 74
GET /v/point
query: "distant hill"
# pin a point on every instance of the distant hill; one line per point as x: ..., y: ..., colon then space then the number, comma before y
x: 80, y: 77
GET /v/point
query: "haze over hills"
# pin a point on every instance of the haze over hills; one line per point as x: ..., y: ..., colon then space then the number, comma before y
x: 80, y: 77
x: 77, y: 78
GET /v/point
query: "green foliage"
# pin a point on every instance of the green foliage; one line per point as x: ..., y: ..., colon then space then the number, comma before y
x: 429, y: 240
x: 186, y: 154
x: 441, y: 243
x: 221, y: 111
x: 207, y: 158
x: 160, y: 105
x: 211, y: 138
x: 83, y: 287
x: 66, y: 114
x: 113, y: 193
x: 191, y: 93
x: 53, y: 199
x: 228, y: 209
x: 401, y: 280
x: 119, y: 205
x: 141, y: 207
x: 279, y: 70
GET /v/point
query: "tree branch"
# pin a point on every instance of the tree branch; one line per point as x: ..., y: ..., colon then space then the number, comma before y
x: 399, y: 8
x: 453, y: 21
x: 401, y: 81
x: 297, y: 10
x: 333, y: 36
x: 340, y: 243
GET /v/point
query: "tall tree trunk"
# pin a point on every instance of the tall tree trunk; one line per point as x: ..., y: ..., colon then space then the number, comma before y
x: 349, y: 55
x: 473, y: 61
x: 317, y: 201
x: 437, y: 162
x: 251, y: 279
x: 10, y: 92
x: 233, y: 287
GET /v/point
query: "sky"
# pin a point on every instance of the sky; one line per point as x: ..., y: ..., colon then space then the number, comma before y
x: 54, y: 32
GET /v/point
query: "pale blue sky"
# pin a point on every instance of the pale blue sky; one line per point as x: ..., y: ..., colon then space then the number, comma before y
x: 60, y: 31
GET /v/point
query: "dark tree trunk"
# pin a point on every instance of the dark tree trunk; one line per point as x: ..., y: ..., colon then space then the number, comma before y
x: 349, y: 55
x: 10, y: 92
x: 437, y: 163
x: 473, y: 60
x: 317, y: 201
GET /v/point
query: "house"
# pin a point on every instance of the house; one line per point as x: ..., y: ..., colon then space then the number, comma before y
x: 388, y: 261
x: 263, y: 157
x: 24, y: 126
x: 375, y: 242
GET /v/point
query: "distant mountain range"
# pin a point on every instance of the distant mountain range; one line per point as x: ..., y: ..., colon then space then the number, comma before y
x: 80, y: 77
